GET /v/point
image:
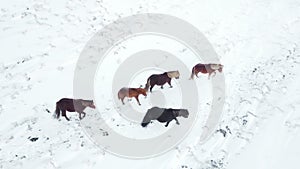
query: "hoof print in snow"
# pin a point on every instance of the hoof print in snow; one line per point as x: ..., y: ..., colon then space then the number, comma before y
x: 222, y: 131
x: 105, y: 133
x: 60, y: 68
x: 33, y: 139
x: 228, y: 129
x: 245, y: 122
x: 22, y: 157
x: 216, y: 164
x: 47, y: 110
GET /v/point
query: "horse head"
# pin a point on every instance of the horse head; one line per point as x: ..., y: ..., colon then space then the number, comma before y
x: 173, y: 74
x: 218, y: 67
x: 182, y: 112
x: 142, y: 91
x: 88, y: 103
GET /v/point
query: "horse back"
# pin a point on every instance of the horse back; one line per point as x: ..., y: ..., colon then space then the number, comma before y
x: 167, y: 115
x: 154, y: 113
x: 70, y: 105
x: 159, y: 79
x: 66, y: 104
x: 203, y: 68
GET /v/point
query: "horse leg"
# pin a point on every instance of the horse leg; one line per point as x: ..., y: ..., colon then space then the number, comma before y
x: 167, y: 124
x: 137, y: 99
x: 170, y: 84
x: 80, y: 117
x: 122, y: 99
x: 214, y: 74
x: 151, y: 88
x: 84, y: 114
x: 209, y: 74
x: 177, y: 122
x: 162, y: 86
x: 65, y: 114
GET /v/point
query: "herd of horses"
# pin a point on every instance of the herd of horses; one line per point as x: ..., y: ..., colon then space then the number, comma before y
x: 162, y: 115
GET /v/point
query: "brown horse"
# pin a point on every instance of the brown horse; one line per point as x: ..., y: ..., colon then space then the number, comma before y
x: 206, y: 68
x: 131, y: 92
x: 72, y: 105
x: 161, y: 79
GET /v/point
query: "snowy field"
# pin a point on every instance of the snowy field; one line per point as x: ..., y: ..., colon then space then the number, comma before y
x: 257, y: 42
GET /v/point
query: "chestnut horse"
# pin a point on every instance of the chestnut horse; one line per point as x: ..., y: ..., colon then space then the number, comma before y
x: 72, y: 105
x: 161, y: 79
x: 206, y: 68
x: 131, y: 92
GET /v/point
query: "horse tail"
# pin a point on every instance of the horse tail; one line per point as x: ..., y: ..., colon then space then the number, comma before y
x: 193, y: 73
x: 147, y: 84
x: 57, y: 111
x: 119, y: 95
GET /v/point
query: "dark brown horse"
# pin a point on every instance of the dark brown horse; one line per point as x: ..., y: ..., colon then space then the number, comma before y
x: 161, y: 79
x: 131, y: 92
x: 164, y: 115
x: 72, y: 105
x: 206, y: 68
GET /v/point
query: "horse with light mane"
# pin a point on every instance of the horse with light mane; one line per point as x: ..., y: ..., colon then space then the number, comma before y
x: 161, y: 79
x: 73, y: 105
x: 206, y: 68
x: 131, y: 92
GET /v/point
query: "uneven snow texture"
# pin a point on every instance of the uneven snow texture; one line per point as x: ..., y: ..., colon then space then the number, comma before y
x: 257, y: 41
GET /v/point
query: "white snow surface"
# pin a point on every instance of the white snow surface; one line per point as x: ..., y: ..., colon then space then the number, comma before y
x: 257, y: 42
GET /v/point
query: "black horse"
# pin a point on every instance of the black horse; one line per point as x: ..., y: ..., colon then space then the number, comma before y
x: 72, y: 105
x: 161, y: 79
x: 164, y: 115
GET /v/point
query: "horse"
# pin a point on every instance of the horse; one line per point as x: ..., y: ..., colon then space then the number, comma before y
x: 73, y: 105
x: 131, y: 92
x: 164, y: 115
x: 206, y: 68
x: 161, y: 79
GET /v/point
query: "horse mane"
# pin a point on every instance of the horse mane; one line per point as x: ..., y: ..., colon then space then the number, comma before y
x: 82, y: 100
x: 137, y: 89
x: 215, y: 66
x: 175, y: 112
x: 171, y: 73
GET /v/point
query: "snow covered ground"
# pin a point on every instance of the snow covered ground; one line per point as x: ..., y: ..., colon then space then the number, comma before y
x: 257, y: 41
